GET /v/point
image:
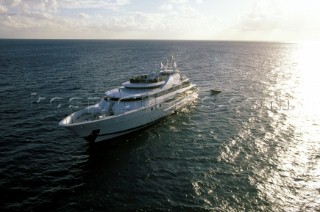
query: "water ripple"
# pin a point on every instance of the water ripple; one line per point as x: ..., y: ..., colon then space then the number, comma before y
x: 253, y: 147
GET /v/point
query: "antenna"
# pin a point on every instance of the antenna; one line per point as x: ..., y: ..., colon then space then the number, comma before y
x: 174, y: 65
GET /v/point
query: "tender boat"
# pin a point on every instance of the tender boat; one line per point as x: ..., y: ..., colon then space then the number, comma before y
x: 139, y: 102
x: 214, y: 92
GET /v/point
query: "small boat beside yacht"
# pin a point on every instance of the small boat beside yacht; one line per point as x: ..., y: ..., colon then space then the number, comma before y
x: 137, y: 103
x: 214, y: 91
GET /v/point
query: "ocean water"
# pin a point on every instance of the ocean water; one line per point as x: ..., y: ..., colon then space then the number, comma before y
x: 253, y: 147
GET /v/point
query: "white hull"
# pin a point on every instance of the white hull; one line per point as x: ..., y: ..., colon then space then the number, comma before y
x: 119, y: 125
x: 139, y: 102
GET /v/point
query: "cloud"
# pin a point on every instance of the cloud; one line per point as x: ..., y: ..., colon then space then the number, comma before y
x: 105, y: 4
x: 178, y: 1
x: 166, y: 7
x: 89, y: 19
x: 37, y: 6
x: 44, y: 15
x: 280, y: 15
x: 184, y: 1
x: 180, y: 8
x: 52, y: 6
x: 29, y: 9
x: 83, y: 16
x: 282, y: 20
x: 3, y: 9
x: 11, y: 3
x: 190, y: 12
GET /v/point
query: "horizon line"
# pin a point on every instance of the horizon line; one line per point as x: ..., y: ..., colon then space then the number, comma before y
x: 122, y: 39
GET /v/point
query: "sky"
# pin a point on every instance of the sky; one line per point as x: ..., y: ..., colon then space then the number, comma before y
x: 247, y: 20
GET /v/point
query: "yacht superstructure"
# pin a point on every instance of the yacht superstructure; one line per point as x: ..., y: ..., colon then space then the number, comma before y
x: 139, y: 102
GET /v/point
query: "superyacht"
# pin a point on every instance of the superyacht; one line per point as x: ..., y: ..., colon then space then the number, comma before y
x: 138, y: 103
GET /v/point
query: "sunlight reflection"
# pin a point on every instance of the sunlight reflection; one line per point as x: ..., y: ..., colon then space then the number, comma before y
x: 309, y: 73
x: 294, y: 182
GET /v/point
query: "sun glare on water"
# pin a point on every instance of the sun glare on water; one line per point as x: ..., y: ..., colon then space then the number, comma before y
x: 293, y: 184
x: 308, y: 68
x: 300, y: 159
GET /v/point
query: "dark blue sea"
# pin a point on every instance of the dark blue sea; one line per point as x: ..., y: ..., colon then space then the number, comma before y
x: 253, y: 147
